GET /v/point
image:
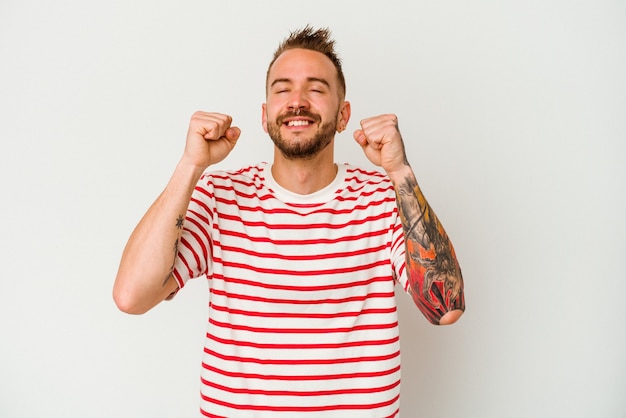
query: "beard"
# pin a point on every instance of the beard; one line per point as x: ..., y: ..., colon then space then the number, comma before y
x: 302, y: 148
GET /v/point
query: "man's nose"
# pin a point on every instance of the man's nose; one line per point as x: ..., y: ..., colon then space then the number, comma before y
x: 298, y: 101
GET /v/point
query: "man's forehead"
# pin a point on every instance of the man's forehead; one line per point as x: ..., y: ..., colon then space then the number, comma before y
x: 302, y: 63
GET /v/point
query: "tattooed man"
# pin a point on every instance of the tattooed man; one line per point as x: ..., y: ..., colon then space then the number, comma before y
x: 301, y: 254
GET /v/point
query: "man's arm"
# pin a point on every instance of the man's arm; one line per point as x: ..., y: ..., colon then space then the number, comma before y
x: 435, y: 280
x: 434, y: 274
x: 144, y: 277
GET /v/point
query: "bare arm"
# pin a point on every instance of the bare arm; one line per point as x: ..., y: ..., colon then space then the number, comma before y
x: 144, y: 277
x: 434, y: 275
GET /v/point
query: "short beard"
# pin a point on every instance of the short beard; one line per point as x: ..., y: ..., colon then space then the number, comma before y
x: 303, y: 148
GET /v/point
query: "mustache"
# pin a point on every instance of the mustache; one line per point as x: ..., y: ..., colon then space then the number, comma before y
x: 301, y: 114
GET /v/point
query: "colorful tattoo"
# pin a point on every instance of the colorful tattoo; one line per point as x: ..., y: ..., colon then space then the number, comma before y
x: 435, y: 280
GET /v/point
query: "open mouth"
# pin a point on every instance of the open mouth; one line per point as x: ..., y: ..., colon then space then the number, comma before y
x: 303, y: 119
x: 298, y: 122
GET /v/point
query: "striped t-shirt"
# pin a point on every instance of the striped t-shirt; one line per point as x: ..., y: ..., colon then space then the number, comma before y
x: 302, y: 314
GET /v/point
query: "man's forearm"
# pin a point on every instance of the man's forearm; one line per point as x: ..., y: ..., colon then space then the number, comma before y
x: 144, y: 277
x: 434, y: 274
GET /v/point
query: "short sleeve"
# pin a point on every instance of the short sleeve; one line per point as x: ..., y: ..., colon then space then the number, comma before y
x: 194, y: 246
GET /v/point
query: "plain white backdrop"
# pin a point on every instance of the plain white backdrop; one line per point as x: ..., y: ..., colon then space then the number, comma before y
x: 514, y: 118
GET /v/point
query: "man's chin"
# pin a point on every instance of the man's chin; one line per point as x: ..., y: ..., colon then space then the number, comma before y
x: 301, y: 144
x: 302, y: 150
x: 297, y: 153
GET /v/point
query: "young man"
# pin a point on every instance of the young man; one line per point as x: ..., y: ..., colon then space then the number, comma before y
x: 301, y: 255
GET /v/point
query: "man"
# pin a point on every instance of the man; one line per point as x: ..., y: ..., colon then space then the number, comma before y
x: 301, y: 255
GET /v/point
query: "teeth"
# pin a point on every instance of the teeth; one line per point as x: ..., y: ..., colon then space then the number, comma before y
x: 298, y: 123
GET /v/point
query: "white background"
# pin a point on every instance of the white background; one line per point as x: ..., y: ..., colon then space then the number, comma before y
x: 514, y: 117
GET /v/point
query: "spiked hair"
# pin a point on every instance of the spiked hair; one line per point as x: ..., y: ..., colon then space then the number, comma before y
x: 318, y: 40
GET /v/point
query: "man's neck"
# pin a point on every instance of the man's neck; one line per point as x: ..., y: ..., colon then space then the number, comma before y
x: 304, y: 176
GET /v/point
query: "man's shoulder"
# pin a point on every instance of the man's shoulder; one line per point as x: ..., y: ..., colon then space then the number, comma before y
x: 246, y: 173
x: 365, y: 175
x: 244, y: 181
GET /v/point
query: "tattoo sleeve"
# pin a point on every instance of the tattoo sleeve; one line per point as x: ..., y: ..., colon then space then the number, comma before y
x: 434, y: 274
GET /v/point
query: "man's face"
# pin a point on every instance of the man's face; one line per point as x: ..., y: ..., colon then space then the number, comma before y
x: 304, y: 105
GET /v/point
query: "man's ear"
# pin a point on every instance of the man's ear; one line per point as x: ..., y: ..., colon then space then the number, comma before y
x: 264, y: 116
x: 344, y: 116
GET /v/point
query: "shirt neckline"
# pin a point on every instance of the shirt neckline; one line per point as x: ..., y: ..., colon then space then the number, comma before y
x: 319, y: 197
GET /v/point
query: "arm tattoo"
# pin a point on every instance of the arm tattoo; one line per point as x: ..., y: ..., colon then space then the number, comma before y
x: 179, y: 225
x: 434, y: 275
x: 171, y: 273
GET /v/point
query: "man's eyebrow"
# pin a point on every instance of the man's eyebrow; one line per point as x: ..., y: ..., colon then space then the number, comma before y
x: 318, y: 80
x: 280, y: 80
x: 309, y: 80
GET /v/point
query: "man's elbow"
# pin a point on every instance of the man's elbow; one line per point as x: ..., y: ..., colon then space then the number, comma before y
x: 127, y: 302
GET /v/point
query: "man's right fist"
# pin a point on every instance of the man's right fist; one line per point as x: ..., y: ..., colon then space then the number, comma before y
x: 210, y: 138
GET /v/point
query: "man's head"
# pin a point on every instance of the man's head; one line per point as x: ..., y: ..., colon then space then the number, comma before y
x: 318, y: 40
x: 305, y: 95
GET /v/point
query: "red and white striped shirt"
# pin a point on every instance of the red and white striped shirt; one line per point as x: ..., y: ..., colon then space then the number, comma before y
x: 302, y: 314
